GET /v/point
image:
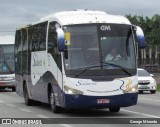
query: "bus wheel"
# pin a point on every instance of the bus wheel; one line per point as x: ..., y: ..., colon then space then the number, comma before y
x: 54, y: 107
x: 28, y: 101
x: 114, y: 109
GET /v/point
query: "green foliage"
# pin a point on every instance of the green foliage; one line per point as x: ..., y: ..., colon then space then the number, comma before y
x: 150, y: 26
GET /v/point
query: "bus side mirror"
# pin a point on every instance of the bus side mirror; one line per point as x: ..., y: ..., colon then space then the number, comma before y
x: 60, y: 40
x: 140, y: 38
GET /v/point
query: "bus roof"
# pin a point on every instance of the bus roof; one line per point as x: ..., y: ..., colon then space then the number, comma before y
x: 85, y: 16
x: 7, y: 39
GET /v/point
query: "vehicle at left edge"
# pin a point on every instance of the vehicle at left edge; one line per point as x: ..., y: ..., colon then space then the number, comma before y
x: 7, y: 68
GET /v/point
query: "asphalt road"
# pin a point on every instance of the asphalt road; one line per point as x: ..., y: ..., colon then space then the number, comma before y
x: 12, y: 106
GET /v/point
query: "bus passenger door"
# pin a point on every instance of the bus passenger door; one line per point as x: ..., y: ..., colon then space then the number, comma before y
x: 54, y: 59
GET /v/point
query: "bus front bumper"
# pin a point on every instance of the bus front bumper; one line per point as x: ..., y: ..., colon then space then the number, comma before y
x: 82, y: 101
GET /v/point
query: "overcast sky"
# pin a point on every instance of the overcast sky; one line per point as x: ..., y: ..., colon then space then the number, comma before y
x: 15, y: 13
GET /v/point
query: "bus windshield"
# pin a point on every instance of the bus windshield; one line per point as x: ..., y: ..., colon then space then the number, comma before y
x: 7, y: 59
x: 106, y: 47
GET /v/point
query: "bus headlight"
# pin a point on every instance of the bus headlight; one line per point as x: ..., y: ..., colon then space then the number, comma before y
x: 132, y: 89
x: 69, y: 90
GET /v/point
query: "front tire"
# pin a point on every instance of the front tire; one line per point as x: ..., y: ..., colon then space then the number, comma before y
x: 28, y: 101
x: 117, y: 109
x: 54, y: 107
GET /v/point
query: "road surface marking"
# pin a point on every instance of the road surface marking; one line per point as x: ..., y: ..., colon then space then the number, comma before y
x: 65, y: 125
x: 143, y: 114
x: 42, y: 116
x: 10, y: 105
x: 149, y: 99
x: 25, y: 110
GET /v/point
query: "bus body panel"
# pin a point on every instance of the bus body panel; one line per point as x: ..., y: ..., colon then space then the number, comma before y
x: 83, y: 101
x: 42, y: 71
x: 83, y: 17
x: 113, y: 91
x: 101, y: 88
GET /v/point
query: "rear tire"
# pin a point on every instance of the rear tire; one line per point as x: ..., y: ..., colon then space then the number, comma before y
x: 114, y: 109
x: 54, y: 107
x: 28, y: 101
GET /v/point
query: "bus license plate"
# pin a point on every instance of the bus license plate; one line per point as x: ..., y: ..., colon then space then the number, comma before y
x: 103, y: 101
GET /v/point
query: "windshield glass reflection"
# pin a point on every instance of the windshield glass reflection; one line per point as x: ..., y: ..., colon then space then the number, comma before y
x: 90, y: 45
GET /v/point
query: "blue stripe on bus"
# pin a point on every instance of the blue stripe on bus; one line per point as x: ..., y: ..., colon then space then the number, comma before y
x: 82, y: 101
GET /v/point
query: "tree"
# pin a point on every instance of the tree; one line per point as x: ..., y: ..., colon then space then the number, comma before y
x: 150, y: 26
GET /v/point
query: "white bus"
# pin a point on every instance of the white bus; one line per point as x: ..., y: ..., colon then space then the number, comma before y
x: 60, y: 60
x: 7, y: 68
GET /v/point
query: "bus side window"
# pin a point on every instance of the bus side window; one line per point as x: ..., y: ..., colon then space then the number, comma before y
x: 39, y: 37
x: 34, y: 38
x: 52, y: 43
x: 42, y: 36
x: 52, y: 36
x: 30, y: 39
x: 24, y: 40
x: 17, y: 41
x: 18, y: 51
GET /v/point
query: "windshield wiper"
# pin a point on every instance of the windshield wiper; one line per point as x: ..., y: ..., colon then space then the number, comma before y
x: 122, y: 68
x: 85, y: 69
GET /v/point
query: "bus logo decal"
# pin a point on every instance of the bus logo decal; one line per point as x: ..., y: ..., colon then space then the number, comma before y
x: 105, y: 28
x: 81, y: 82
x: 36, y: 61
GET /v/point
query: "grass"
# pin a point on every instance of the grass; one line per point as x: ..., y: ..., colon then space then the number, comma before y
x: 158, y: 87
